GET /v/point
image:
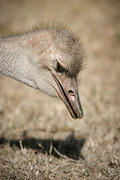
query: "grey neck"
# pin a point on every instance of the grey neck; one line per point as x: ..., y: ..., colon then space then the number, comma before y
x: 15, y: 60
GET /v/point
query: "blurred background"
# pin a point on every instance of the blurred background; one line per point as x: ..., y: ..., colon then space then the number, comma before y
x: 26, y: 113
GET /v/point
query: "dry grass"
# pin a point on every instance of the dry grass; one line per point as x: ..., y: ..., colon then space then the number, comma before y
x: 38, y: 139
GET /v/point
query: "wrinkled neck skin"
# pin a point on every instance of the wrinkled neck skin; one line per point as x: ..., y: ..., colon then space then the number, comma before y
x: 15, y: 61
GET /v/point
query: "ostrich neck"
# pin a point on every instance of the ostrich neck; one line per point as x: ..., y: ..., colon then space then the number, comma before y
x: 15, y: 60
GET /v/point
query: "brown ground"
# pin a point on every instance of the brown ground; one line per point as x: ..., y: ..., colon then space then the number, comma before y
x: 38, y: 138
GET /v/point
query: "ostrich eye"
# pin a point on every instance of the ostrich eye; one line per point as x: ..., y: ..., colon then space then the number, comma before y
x: 60, y: 68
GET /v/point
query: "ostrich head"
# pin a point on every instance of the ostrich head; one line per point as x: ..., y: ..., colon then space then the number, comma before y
x: 56, y: 61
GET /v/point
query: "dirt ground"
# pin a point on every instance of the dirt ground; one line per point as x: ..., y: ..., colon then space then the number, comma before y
x: 38, y: 138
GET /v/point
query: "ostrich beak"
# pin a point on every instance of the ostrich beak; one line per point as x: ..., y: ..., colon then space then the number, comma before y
x: 67, y: 90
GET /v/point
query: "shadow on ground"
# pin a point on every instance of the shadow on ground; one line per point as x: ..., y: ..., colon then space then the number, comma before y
x: 70, y: 147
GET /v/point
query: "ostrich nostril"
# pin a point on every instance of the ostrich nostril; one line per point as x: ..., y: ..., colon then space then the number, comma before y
x: 71, y: 93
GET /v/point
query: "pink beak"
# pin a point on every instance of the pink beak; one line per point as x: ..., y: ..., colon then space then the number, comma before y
x: 68, y: 93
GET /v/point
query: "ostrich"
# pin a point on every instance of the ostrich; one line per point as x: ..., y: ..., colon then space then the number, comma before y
x: 47, y: 58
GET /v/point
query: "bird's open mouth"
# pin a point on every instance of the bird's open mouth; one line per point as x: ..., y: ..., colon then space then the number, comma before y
x: 72, y: 102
